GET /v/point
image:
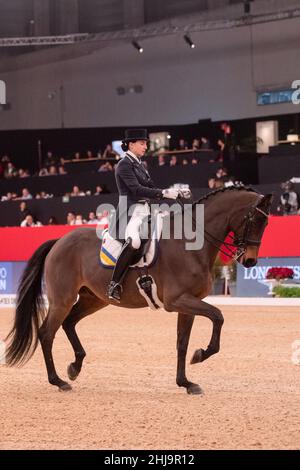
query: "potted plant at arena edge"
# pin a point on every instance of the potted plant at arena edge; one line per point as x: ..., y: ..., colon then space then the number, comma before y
x: 276, y: 276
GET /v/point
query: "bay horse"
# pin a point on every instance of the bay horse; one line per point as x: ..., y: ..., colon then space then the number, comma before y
x: 71, y: 267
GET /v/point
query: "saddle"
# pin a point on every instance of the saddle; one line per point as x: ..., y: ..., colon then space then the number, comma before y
x: 147, y: 253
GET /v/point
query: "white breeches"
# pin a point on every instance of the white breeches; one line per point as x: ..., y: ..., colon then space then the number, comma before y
x: 133, y: 227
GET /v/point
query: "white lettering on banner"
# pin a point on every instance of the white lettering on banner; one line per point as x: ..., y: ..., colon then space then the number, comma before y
x: 257, y: 273
x: 3, y: 273
x: 2, y: 284
x: 296, y: 93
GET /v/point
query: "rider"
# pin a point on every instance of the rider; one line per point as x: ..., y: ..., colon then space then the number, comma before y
x: 133, y: 182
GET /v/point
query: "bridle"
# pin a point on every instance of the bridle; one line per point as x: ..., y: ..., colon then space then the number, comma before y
x: 238, y: 242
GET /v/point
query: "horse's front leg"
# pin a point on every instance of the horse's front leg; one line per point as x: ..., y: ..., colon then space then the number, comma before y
x: 184, y: 326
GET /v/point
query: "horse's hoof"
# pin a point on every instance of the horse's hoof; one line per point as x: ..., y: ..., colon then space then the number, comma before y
x: 65, y: 387
x: 198, y: 356
x: 72, y: 372
x: 194, y: 389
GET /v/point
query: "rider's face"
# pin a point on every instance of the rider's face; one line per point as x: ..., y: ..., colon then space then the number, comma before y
x: 138, y: 148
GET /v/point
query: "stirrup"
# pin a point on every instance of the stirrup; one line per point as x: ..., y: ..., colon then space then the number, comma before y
x: 114, y: 291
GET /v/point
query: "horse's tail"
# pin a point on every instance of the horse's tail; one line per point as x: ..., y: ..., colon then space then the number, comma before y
x: 30, y: 310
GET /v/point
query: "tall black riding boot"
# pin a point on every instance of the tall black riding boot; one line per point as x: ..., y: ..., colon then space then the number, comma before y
x: 123, y: 262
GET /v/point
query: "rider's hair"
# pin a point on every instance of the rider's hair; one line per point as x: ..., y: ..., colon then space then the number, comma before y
x: 125, y: 145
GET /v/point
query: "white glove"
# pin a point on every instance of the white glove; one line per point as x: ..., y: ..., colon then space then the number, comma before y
x: 185, y: 193
x: 170, y: 193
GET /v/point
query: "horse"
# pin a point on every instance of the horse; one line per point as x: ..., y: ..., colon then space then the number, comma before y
x: 69, y: 267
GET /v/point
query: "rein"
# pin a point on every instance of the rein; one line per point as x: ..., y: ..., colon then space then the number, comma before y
x: 240, y: 243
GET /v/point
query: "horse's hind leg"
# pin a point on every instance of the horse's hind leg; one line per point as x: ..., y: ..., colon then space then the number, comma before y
x: 86, y: 305
x: 47, y: 333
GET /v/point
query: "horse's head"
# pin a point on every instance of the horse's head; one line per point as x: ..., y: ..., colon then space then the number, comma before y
x: 249, y: 230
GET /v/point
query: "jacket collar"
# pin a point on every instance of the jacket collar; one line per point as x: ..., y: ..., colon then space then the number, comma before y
x: 132, y: 157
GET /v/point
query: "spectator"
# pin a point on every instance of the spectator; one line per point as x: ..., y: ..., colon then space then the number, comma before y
x: 52, y: 220
x: 23, y: 211
x: 173, y: 161
x: 92, y: 218
x: 182, y: 145
x: 52, y: 170
x: 76, y: 192
x: 161, y: 160
x: 99, y: 190
x: 50, y: 160
x: 61, y: 170
x: 110, y: 153
x: 29, y: 222
x: 43, y: 172
x: 289, y: 200
x: 194, y: 161
x: 7, y: 197
x: 10, y: 171
x: 106, y: 167
x: 103, y: 220
x: 196, y: 144
x: 89, y: 154
x: 26, y: 194
x: 77, y: 156
x: 185, y: 162
x: 205, y: 144
x: 79, y: 220
x: 71, y: 218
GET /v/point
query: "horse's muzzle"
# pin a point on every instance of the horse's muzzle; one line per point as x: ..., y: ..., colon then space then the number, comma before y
x: 250, y: 262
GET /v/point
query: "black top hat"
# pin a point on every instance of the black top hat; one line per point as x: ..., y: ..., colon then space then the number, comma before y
x: 135, y: 134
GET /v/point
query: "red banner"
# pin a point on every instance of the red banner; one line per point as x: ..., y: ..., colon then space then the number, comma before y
x: 281, y: 239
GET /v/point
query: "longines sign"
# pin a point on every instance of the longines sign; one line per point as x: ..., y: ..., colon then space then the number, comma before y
x: 250, y: 282
x: 2, y: 92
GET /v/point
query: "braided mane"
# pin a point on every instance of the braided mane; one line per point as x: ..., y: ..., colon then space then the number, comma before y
x: 223, y: 190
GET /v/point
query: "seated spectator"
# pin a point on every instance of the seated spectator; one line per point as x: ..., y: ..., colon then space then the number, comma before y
x: 23, y: 211
x: 173, y: 161
x: 29, y: 222
x: 79, y: 220
x: 161, y: 160
x: 185, y: 162
x: 61, y: 170
x: 92, y: 218
x: 52, y: 220
x: 89, y: 154
x: 52, y: 170
x: 194, y: 161
x: 196, y: 144
x: 211, y: 183
x: 25, y: 194
x: 99, y: 190
x: 289, y: 200
x: 182, y: 145
x: 10, y: 171
x: 205, y: 144
x: 76, y: 192
x: 110, y: 153
x: 23, y: 173
x: 106, y: 167
x: 7, y: 197
x: 50, y: 160
x: 71, y: 218
x: 43, y: 172
x: 77, y: 156
x: 103, y: 220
